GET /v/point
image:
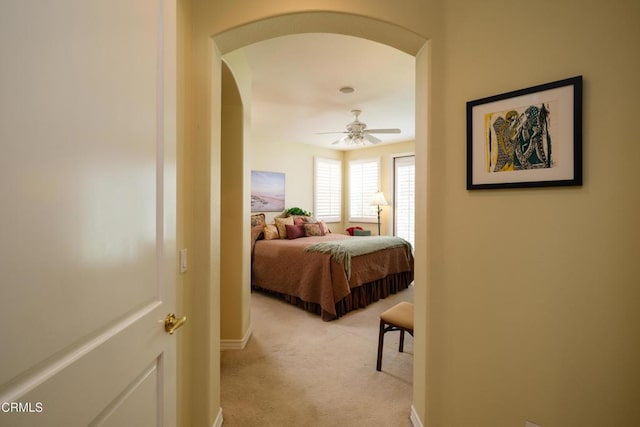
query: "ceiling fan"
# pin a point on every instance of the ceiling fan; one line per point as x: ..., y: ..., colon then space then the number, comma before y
x: 357, y: 132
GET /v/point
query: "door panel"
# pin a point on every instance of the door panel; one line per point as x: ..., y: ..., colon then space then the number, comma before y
x: 124, y: 410
x: 88, y: 211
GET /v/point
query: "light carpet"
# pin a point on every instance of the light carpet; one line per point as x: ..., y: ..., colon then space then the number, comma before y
x: 297, y: 370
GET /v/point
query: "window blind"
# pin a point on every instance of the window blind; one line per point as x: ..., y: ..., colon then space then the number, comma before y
x: 328, y: 189
x: 404, y: 203
x: 364, y: 181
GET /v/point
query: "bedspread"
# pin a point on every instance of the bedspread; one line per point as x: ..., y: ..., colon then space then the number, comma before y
x: 284, y: 267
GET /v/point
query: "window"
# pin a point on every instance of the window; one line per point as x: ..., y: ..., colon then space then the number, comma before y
x: 404, y: 198
x: 364, y: 181
x: 328, y: 190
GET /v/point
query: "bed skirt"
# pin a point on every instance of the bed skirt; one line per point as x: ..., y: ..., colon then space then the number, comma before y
x: 359, y: 297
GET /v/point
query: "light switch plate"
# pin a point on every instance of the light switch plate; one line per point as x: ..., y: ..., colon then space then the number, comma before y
x: 183, y: 260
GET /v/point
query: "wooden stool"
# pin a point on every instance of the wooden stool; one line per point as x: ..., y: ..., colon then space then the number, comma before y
x: 397, y: 318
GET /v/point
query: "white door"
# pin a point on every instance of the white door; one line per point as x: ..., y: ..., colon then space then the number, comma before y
x: 87, y: 212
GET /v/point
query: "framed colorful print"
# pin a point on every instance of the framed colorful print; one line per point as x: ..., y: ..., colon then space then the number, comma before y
x: 526, y: 138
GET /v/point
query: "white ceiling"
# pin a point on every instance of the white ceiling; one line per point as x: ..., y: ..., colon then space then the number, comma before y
x: 295, y: 82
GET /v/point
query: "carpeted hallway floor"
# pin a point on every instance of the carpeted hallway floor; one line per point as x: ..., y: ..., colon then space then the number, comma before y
x: 300, y: 371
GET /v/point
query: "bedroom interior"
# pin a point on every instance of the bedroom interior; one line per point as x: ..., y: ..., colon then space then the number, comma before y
x: 281, y: 153
x: 281, y: 131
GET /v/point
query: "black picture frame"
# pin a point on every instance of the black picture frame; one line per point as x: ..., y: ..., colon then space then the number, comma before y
x: 526, y: 138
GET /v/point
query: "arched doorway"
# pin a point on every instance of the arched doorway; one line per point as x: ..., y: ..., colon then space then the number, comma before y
x: 204, y: 300
x: 322, y: 22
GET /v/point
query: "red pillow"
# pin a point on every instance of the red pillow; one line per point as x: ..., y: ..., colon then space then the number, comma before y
x: 294, y: 231
x: 350, y: 230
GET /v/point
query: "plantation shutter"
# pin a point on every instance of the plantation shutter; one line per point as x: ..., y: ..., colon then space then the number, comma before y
x: 328, y: 190
x: 404, y: 203
x: 364, y: 181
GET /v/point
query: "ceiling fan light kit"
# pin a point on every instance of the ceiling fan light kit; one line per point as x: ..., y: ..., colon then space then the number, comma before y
x: 357, y: 132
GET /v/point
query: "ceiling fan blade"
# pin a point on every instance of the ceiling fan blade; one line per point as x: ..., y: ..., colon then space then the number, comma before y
x: 326, y: 133
x: 372, y: 139
x: 382, y: 130
x: 343, y: 139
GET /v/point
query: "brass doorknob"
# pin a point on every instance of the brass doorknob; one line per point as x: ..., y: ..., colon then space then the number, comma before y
x: 171, y: 322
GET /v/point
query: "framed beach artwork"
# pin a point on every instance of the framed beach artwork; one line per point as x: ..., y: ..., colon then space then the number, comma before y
x: 267, y: 191
x: 526, y: 138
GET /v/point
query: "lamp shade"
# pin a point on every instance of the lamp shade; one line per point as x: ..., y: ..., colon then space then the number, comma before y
x: 378, y: 199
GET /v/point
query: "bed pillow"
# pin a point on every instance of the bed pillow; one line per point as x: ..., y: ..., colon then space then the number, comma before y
x: 271, y: 232
x: 313, y: 230
x: 303, y: 219
x: 257, y: 225
x: 294, y: 231
x: 280, y: 223
x: 325, y: 227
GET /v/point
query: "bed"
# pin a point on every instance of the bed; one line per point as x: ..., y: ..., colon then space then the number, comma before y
x: 331, y: 274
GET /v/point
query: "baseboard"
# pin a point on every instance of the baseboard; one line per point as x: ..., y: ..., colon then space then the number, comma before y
x: 415, y: 419
x: 218, y: 421
x: 236, y: 344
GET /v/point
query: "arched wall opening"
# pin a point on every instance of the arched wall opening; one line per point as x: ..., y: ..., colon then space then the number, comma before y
x: 209, y: 307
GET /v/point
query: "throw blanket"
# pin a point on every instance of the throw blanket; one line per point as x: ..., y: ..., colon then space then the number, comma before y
x: 341, y: 251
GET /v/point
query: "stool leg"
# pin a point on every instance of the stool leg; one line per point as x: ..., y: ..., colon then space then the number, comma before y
x: 380, y: 345
x: 401, y: 349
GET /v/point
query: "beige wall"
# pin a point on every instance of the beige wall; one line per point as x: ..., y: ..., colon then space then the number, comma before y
x: 234, y: 236
x: 200, y: 112
x: 533, y: 304
x: 182, y: 298
x: 295, y: 160
x: 541, y: 328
